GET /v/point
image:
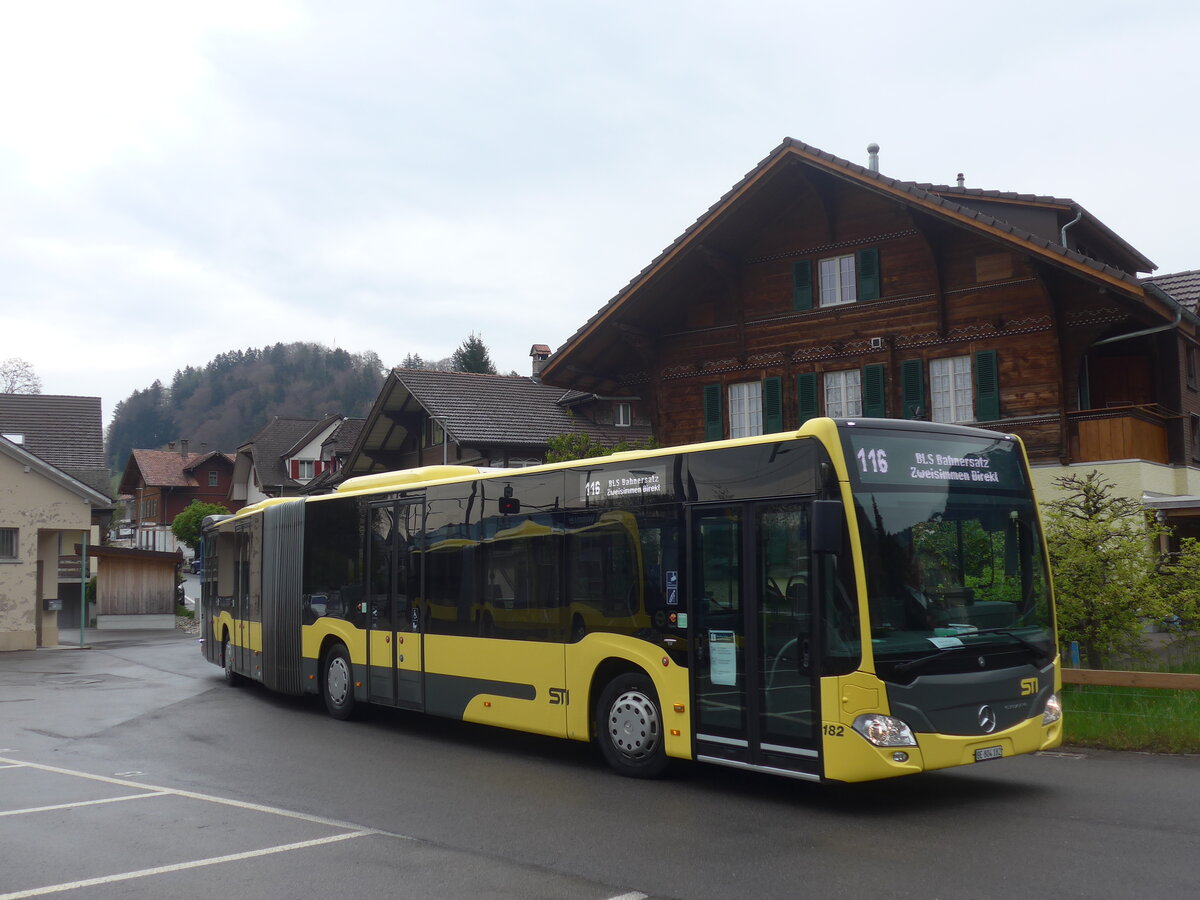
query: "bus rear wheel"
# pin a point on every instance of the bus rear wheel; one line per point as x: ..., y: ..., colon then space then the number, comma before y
x: 232, y: 678
x: 337, y: 683
x: 629, y: 726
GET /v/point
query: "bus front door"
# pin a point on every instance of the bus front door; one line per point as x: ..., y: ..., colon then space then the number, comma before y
x: 754, y: 678
x: 394, y: 675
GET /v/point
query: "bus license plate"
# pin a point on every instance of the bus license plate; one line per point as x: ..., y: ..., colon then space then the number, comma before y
x: 988, y: 753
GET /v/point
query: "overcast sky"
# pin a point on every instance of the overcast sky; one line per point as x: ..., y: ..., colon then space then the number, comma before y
x: 180, y: 179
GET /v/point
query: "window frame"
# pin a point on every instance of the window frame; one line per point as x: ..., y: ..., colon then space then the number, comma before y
x: 842, y: 291
x: 13, y: 534
x: 745, y: 411
x: 961, y: 383
x: 214, y: 478
x: 622, y: 414
x: 847, y: 407
x: 306, y: 470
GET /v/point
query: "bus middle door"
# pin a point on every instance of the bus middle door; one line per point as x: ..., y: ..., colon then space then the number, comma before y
x: 754, y: 671
x: 393, y: 640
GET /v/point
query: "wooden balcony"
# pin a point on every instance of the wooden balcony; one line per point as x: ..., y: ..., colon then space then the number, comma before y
x: 1124, y: 432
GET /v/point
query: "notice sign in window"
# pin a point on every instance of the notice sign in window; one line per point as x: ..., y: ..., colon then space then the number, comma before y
x: 614, y: 484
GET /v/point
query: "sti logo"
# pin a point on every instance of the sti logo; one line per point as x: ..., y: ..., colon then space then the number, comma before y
x: 559, y: 695
x: 1029, y: 687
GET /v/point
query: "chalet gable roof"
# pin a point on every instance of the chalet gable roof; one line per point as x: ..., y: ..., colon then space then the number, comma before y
x: 944, y: 203
x: 477, y: 410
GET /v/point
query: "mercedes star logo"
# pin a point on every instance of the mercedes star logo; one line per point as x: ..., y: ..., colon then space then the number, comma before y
x: 987, y: 719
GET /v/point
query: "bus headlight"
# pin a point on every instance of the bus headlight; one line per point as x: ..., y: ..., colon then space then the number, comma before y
x: 1053, y: 710
x: 884, y: 731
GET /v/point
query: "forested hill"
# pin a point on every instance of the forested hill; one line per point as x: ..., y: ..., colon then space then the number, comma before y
x: 224, y: 403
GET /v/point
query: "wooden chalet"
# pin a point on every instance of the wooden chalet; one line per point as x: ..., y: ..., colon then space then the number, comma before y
x: 816, y: 286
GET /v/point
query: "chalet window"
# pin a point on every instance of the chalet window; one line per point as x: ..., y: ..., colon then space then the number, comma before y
x: 950, y: 391
x: 1195, y: 422
x: 622, y: 414
x: 303, y: 469
x: 1191, y: 367
x: 843, y: 394
x: 9, y: 545
x: 433, y: 434
x: 837, y: 280
x: 745, y: 409
x: 958, y: 390
x: 213, y: 478
x: 755, y: 407
x: 840, y: 279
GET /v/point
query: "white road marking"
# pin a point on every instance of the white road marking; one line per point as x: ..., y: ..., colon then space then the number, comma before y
x: 632, y: 895
x: 36, y: 809
x: 180, y: 867
x: 192, y: 795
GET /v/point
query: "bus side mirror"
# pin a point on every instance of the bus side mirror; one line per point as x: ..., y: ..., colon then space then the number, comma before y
x: 828, y: 519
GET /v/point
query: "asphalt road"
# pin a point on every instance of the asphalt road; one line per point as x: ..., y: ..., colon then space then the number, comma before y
x: 131, y: 770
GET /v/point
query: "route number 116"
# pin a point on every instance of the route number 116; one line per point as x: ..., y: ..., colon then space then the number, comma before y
x: 873, y: 461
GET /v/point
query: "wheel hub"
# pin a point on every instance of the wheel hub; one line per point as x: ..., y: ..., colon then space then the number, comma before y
x: 633, y: 725
x: 337, y: 681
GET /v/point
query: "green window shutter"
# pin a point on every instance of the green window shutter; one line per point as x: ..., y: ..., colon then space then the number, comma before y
x: 868, y: 274
x: 802, y: 286
x: 912, y: 388
x: 772, y: 401
x: 987, y: 386
x: 714, y: 424
x: 806, y: 392
x: 874, y: 392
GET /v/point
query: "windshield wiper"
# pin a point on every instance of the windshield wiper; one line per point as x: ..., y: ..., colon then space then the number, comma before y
x: 900, y: 668
x: 1012, y: 634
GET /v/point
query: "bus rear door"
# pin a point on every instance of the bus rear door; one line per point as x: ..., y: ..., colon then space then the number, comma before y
x: 753, y: 667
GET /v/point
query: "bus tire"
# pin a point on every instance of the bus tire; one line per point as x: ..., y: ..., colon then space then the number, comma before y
x: 629, y: 726
x: 337, y: 682
x: 232, y: 678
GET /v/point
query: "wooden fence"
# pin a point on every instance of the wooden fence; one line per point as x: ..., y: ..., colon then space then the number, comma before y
x: 1171, y: 681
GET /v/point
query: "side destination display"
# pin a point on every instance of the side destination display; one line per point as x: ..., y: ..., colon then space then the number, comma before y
x: 890, y: 459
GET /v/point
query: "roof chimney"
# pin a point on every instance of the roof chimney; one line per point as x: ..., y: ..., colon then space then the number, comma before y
x: 873, y: 157
x: 539, y: 353
x: 961, y: 180
x: 183, y: 448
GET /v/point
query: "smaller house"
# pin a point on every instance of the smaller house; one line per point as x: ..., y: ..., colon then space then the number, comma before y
x: 426, y: 417
x: 53, y: 490
x: 334, y: 452
x: 162, y: 483
x: 283, y: 457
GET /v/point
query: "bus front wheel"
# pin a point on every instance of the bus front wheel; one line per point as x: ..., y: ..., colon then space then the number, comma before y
x: 337, y: 683
x: 629, y: 726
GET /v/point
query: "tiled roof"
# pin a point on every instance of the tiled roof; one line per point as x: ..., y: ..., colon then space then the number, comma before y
x: 344, y: 436
x: 1184, y: 287
x: 892, y: 186
x: 165, y: 468
x: 66, y: 432
x: 271, y: 444
x: 502, y: 409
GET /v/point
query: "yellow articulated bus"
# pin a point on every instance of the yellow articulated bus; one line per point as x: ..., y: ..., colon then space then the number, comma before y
x: 858, y: 599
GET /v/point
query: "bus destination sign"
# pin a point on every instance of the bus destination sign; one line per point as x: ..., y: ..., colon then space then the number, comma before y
x: 610, y: 485
x: 939, y: 460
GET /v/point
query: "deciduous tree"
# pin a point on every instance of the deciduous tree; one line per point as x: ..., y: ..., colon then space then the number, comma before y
x: 18, y: 377
x: 186, y: 525
x: 1102, y: 550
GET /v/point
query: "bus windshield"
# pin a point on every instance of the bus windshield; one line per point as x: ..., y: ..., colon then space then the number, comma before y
x: 956, y: 575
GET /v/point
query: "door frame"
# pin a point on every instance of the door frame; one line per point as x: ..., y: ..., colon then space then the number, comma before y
x: 748, y: 750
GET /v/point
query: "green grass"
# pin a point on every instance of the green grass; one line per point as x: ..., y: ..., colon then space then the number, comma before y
x: 1132, y: 718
